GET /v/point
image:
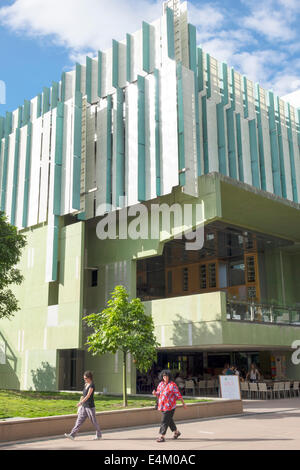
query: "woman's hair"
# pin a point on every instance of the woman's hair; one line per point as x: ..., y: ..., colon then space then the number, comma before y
x: 165, y: 372
x: 88, y: 374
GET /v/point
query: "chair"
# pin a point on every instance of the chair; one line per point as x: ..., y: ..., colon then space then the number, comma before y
x: 201, y: 386
x: 296, y: 388
x: 210, y: 386
x: 281, y: 388
x: 245, y: 389
x: 253, y: 388
x: 276, y: 389
x: 287, y: 388
x: 189, y: 385
x: 263, y: 390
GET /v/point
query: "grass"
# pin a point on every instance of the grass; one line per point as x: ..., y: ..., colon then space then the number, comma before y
x: 23, y: 404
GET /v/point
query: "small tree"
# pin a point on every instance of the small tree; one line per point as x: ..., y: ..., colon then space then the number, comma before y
x: 124, y: 326
x: 11, y: 244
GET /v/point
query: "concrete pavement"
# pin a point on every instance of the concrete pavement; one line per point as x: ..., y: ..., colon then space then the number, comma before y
x: 264, y: 425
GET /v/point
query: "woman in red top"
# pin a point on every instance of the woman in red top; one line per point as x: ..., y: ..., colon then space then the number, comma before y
x: 167, y: 393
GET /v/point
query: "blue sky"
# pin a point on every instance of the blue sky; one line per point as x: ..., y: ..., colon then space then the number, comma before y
x: 41, y: 38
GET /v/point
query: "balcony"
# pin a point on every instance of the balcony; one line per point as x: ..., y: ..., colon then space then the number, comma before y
x: 262, y: 313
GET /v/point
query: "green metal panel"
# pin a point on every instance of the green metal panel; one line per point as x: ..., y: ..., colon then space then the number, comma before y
x: 20, y: 116
x: 115, y: 64
x: 292, y: 156
x: 193, y: 67
x: 54, y: 95
x: 120, y: 154
x: 146, y: 47
x: 181, y: 153
x: 246, y: 110
x: 231, y: 131
x: 15, y: 178
x: 27, y: 175
x: 205, y: 135
x: 78, y: 78
x: 254, y: 154
x: 46, y: 100
x: 157, y: 132
x: 221, y: 122
x: 109, y: 151
x: 128, y: 57
x: 208, y: 83
x: 8, y: 123
x: 77, y: 151
x: 170, y: 33
x: 100, y: 73
x: 239, y: 147
x: 281, y: 154
x: 88, y: 84
x: 26, y: 113
x: 4, y: 174
x: 260, y: 142
x: 2, y: 127
x: 274, y: 146
x: 39, y: 106
x: 141, y: 140
x: 200, y: 69
x: 63, y: 87
x: 58, y: 158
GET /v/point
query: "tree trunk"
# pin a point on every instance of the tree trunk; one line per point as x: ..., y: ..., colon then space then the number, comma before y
x: 124, y: 379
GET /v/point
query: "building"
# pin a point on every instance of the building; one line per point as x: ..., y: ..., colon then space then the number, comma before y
x: 154, y: 120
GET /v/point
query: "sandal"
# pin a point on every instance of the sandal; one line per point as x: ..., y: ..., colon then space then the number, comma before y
x: 160, y: 439
x: 176, y: 434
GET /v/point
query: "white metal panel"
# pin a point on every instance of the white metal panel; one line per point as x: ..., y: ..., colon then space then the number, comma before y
x: 246, y: 151
x: 215, y: 80
x: 150, y: 137
x: 101, y: 158
x: 34, y: 184
x: 70, y: 85
x: 49, y: 248
x: 131, y: 147
x: 266, y: 140
x: 157, y: 43
x: 169, y: 132
x: 114, y: 152
x: 33, y: 108
x: 137, y: 54
x: 189, y: 117
x: 45, y: 168
x: 213, y: 159
x: 10, y: 174
x: 67, y: 159
x: 21, y: 177
x: 107, y: 72
x: 15, y: 119
x: 90, y: 162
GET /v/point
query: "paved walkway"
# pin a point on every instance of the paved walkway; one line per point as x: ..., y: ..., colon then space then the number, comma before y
x: 264, y: 425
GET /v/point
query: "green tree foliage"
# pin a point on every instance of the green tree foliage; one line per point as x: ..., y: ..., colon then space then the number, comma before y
x: 11, y: 245
x: 124, y: 326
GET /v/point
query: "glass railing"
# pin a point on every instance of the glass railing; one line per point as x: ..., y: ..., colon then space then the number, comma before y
x: 262, y: 313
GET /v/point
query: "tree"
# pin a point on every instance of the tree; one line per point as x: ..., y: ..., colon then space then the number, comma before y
x: 11, y: 245
x: 124, y: 326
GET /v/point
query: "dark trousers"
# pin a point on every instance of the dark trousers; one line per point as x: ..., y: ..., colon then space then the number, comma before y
x: 167, y: 421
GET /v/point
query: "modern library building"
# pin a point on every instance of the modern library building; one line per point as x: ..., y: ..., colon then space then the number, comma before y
x: 154, y: 125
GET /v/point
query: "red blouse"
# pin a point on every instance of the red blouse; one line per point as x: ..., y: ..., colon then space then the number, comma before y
x: 167, y: 396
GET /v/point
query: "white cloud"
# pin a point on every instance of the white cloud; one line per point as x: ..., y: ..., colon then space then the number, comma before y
x: 79, y: 24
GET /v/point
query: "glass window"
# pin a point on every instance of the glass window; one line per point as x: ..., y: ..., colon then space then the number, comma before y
x: 185, y: 273
x: 212, y: 275
x: 237, y: 273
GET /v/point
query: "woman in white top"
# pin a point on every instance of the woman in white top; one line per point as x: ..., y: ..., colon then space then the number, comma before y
x: 253, y: 374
